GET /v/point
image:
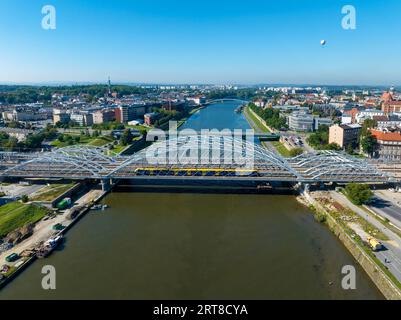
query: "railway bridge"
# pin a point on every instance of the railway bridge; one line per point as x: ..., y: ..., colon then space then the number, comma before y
x: 198, y: 157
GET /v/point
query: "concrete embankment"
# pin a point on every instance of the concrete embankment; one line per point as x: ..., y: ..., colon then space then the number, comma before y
x: 378, y: 276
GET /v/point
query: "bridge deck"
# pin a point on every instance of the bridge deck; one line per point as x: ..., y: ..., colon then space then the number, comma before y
x: 157, y: 161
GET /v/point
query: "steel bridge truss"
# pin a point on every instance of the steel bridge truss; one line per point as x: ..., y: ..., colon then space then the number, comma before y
x: 204, y: 152
x: 191, y: 156
x: 72, y: 162
x: 327, y: 166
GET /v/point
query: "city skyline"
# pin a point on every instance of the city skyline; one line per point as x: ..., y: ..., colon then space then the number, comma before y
x: 262, y: 42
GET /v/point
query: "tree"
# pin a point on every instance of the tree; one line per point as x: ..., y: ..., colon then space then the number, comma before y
x: 333, y: 146
x: 367, y: 124
x: 296, y: 152
x: 320, y: 138
x: 24, y: 198
x: 126, y: 137
x: 359, y: 193
x: 368, y: 143
x: 349, y: 148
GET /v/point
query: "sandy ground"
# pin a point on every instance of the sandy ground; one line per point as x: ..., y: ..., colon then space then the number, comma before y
x: 43, y: 229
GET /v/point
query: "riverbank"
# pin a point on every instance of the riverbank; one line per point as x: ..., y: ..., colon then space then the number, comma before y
x: 256, y: 122
x: 378, y: 273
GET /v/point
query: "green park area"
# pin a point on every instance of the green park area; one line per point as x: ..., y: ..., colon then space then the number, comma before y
x: 70, y: 140
x: 52, y: 192
x: 281, y: 149
x: 15, y: 215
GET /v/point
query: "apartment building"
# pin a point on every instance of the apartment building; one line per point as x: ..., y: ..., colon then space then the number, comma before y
x: 344, y: 135
x: 388, y: 144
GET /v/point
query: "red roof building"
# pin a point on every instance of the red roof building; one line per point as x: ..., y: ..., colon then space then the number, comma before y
x: 388, y: 144
x: 387, y: 96
x: 391, y: 106
x: 353, y: 112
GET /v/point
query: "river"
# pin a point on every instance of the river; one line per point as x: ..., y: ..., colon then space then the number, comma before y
x: 165, y: 245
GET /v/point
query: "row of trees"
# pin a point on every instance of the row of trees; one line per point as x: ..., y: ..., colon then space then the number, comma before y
x: 359, y: 193
x: 33, y: 141
x: 367, y: 141
x: 31, y: 94
x: 270, y: 116
x: 320, y: 139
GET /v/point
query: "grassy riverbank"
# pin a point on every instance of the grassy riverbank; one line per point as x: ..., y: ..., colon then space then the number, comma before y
x: 15, y: 215
x: 254, y: 122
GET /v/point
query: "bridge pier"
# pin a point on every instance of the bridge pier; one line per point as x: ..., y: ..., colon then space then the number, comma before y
x: 302, y: 187
x: 106, y: 184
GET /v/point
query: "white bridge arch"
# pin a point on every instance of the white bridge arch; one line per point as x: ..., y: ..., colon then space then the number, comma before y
x: 191, y: 156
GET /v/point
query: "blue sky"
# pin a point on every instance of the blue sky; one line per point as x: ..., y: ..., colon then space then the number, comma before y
x: 219, y: 41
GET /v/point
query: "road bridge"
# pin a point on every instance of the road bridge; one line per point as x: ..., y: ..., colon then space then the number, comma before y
x: 222, y: 100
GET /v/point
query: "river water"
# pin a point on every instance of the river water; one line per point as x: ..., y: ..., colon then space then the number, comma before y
x: 165, y: 245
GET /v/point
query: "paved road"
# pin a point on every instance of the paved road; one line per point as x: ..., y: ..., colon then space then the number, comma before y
x: 391, y: 257
x: 303, y: 137
x: 16, y: 190
x: 387, y: 208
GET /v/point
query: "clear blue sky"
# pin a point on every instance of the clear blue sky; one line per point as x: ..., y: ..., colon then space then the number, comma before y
x: 208, y: 41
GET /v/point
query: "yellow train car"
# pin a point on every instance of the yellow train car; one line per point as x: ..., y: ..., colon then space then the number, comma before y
x: 204, y: 172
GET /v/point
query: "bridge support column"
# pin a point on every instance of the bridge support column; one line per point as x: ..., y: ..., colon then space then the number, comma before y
x: 302, y: 187
x: 106, y: 184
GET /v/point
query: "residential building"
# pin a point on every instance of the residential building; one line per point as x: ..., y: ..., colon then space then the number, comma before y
x: 388, y: 144
x: 322, y: 122
x: 20, y: 134
x: 344, y: 135
x: 24, y: 115
x: 60, y: 116
x: 353, y: 112
x: 126, y: 113
x: 391, y: 107
x: 368, y: 114
x: 260, y: 103
x: 103, y: 116
x: 198, y: 100
x: 82, y: 119
x: 150, y: 118
x: 346, y: 119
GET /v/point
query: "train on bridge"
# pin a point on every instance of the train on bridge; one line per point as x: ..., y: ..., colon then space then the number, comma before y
x: 192, y: 158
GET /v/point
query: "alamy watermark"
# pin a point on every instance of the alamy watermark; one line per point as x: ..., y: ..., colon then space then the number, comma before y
x: 231, y: 148
x: 49, y: 21
x: 49, y: 280
x: 348, y: 22
x: 349, y: 279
